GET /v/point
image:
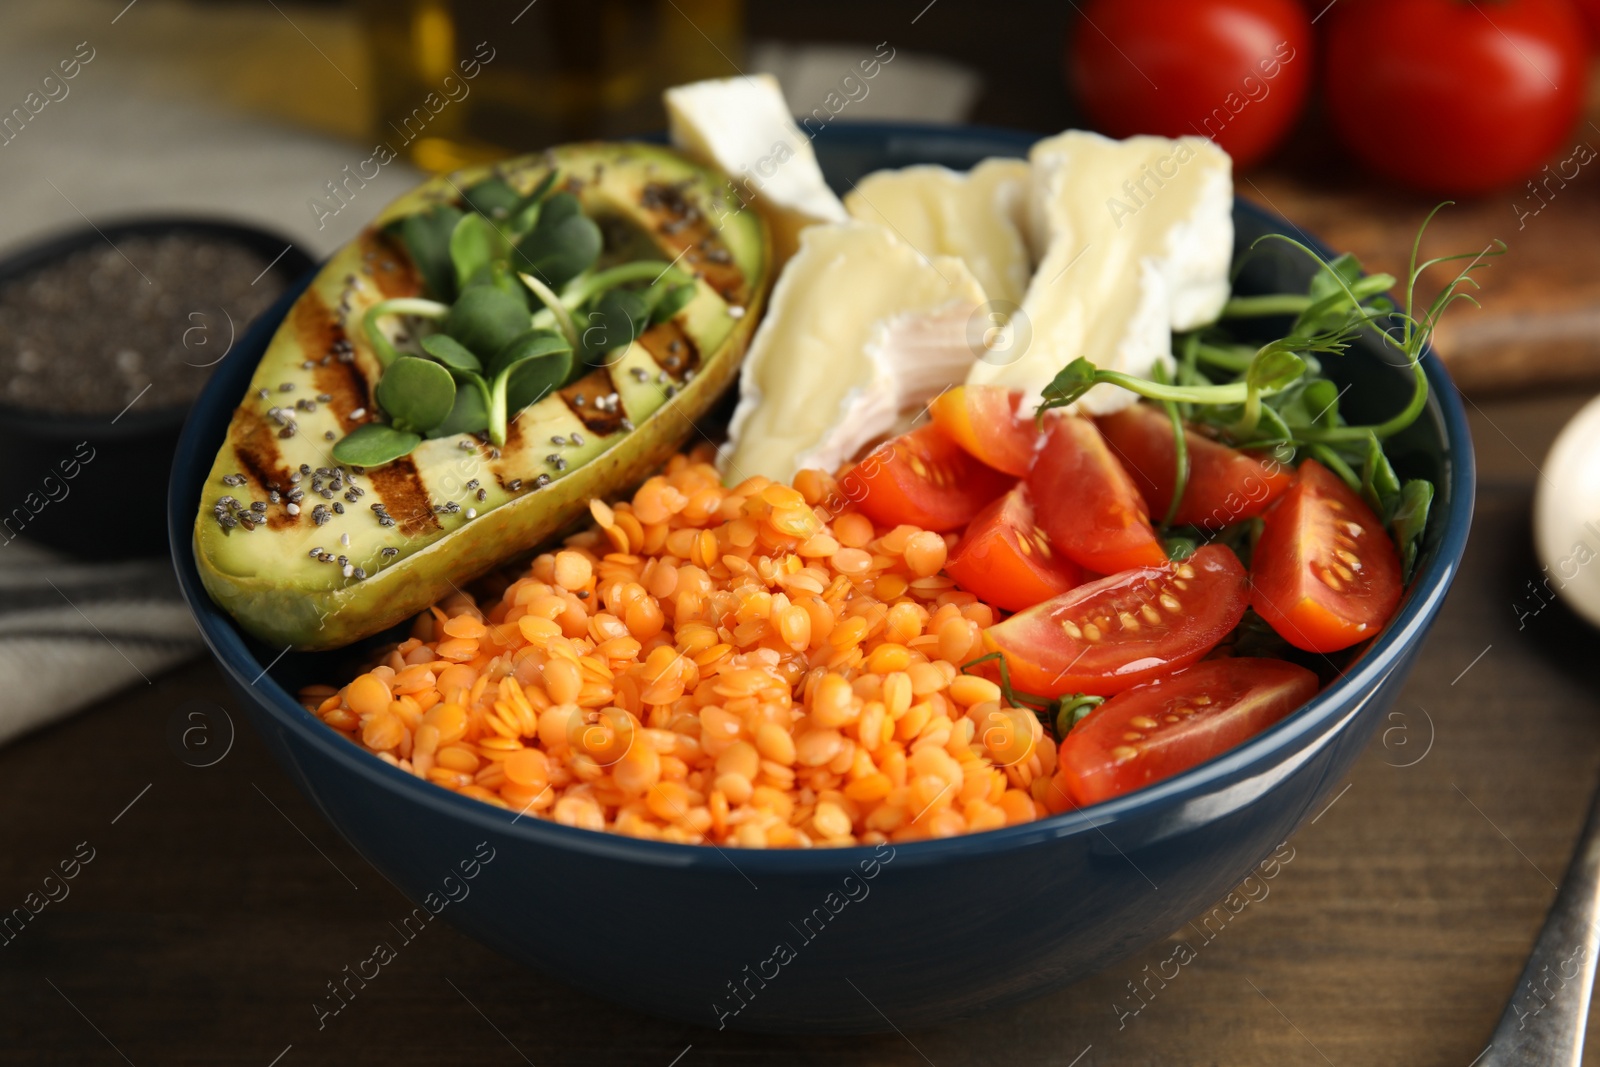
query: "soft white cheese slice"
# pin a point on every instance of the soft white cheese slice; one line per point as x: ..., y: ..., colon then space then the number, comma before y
x: 1139, y: 238
x: 860, y: 326
x: 743, y: 127
x: 977, y: 216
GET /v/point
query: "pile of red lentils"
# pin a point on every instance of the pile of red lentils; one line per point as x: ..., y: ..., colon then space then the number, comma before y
x: 760, y: 666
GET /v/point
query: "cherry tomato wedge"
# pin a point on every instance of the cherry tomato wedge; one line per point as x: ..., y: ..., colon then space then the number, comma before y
x: 1088, y: 504
x: 924, y: 479
x: 1325, y: 572
x: 1119, y: 632
x: 1157, y: 730
x: 983, y: 420
x: 1225, y: 485
x: 1005, y: 559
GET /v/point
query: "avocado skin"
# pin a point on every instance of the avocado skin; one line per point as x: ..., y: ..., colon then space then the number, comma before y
x: 274, y: 595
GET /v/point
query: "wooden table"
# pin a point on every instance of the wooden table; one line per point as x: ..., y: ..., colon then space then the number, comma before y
x: 218, y: 904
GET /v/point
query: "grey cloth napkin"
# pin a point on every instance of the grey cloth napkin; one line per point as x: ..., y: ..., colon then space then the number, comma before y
x: 73, y: 632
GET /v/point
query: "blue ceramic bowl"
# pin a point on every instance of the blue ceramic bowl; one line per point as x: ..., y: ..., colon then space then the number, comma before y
x: 857, y: 939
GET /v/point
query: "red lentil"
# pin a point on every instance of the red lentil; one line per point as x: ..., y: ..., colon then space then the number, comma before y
x: 712, y: 665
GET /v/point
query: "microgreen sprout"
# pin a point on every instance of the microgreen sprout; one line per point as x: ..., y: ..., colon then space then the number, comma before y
x: 554, y: 306
x: 408, y: 305
x: 513, y: 276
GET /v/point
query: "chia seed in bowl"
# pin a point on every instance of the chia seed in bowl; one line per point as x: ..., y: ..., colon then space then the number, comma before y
x: 107, y: 334
x: 92, y: 331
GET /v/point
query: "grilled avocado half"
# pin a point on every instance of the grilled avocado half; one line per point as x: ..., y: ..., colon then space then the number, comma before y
x: 307, y: 552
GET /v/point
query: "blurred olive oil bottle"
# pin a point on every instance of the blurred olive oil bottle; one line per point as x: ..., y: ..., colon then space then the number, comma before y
x: 468, y: 81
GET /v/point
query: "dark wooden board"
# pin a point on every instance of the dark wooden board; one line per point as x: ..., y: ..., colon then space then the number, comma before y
x: 1539, y: 324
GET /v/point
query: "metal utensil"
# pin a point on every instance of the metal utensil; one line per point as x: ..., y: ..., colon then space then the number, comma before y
x: 1548, y: 1012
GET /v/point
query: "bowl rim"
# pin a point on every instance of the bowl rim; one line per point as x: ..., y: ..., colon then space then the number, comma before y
x: 57, y: 243
x: 1257, y: 756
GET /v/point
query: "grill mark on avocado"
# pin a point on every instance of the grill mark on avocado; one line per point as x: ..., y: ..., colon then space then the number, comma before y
x: 318, y: 334
x: 399, y: 488
x: 673, y: 350
x: 590, y: 387
x: 681, y: 227
x: 513, y: 436
x: 255, y: 443
x: 391, y: 266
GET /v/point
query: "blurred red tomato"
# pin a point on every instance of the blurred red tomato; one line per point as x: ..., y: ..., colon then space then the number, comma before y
x: 1590, y: 10
x: 1236, y: 71
x: 1455, y: 97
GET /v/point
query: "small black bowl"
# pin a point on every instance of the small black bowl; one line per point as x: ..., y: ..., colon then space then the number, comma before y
x: 94, y: 485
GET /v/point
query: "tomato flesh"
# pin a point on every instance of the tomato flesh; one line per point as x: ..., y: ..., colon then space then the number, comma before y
x: 1225, y: 485
x: 983, y: 419
x: 1005, y: 559
x: 1157, y: 730
x: 924, y: 479
x: 1124, y: 630
x: 1325, y: 573
x: 1590, y: 10
x: 1088, y: 504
